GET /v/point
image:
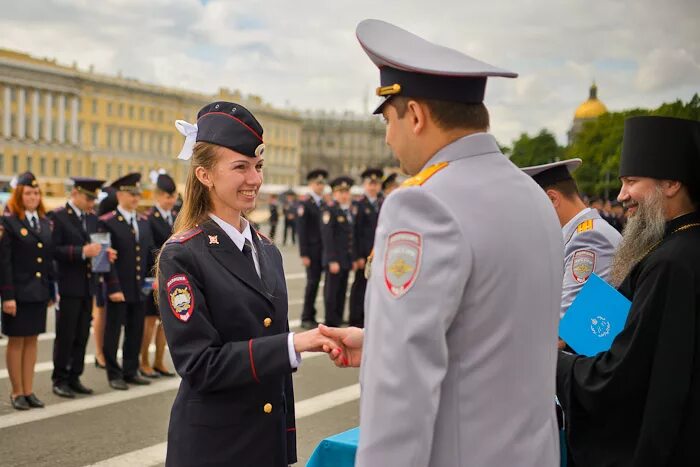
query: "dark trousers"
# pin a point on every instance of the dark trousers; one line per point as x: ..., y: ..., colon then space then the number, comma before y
x: 357, y: 299
x: 289, y: 225
x: 334, y: 291
x: 313, y: 279
x: 130, y: 315
x: 273, y: 230
x: 72, y: 332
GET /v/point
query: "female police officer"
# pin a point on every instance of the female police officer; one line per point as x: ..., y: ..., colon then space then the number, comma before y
x: 25, y: 285
x: 223, y: 302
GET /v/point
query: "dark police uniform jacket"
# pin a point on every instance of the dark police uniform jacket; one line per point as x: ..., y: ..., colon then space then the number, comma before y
x: 365, y: 224
x: 336, y: 230
x: 309, y: 227
x: 74, y: 273
x: 227, y: 331
x: 133, y: 262
x: 161, y: 231
x: 274, y: 214
x: 26, y: 257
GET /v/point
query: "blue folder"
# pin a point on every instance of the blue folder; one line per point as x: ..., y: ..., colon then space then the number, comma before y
x: 595, y: 318
x: 336, y: 451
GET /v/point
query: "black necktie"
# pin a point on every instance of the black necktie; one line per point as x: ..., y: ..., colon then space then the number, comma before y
x: 133, y: 229
x: 248, y: 253
x: 33, y: 224
x: 83, y: 221
x: 169, y: 219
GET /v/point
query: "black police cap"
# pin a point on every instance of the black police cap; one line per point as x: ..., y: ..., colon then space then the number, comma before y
x: 88, y: 186
x: 27, y: 179
x: 129, y: 182
x: 165, y: 183
x: 232, y: 126
x: 374, y: 174
x: 341, y: 183
x: 317, y: 175
x: 389, y: 180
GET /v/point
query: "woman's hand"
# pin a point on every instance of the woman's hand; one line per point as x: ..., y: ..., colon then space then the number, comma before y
x: 350, y: 340
x: 112, y: 253
x: 313, y: 341
x: 9, y: 307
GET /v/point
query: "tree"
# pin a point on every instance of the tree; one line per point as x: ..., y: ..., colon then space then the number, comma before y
x: 541, y: 149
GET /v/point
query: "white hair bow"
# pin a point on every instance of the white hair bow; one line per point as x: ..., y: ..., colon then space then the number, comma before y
x: 190, y: 132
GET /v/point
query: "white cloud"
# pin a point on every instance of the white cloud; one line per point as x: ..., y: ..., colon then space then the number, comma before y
x: 305, y: 53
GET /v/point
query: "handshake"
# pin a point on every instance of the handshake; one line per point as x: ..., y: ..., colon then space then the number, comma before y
x: 343, y: 345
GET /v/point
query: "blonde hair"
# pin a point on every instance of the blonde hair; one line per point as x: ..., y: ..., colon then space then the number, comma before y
x: 196, y: 202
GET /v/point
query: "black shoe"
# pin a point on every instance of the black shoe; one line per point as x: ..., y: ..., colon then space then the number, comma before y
x: 98, y: 364
x: 137, y: 380
x: 119, y: 384
x: 151, y: 375
x: 19, y: 403
x: 164, y: 373
x: 78, y: 387
x: 34, y: 401
x: 63, y: 390
x: 309, y: 324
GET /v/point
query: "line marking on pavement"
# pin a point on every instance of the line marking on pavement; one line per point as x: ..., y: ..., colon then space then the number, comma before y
x: 154, y: 455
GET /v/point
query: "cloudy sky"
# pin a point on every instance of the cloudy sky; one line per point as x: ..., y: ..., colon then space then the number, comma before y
x: 304, y: 54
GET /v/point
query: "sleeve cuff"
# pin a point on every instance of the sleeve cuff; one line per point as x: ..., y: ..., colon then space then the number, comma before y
x: 294, y: 357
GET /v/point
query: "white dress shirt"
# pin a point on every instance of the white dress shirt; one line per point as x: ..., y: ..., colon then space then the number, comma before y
x: 128, y: 216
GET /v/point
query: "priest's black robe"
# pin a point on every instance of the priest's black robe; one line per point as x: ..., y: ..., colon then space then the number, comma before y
x: 638, y: 404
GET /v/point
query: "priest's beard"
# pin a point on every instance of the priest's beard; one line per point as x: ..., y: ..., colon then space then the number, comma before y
x: 644, y: 229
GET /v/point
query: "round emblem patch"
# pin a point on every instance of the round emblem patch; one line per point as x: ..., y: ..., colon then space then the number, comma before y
x: 582, y: 265
x: 24, y: 232
x: 600, y: 326
x: 326, y: 217
x: 402, y: 261
x: 180, y: 297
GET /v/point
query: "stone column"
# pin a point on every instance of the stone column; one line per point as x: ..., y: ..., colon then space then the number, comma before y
x: 61, y: 118
x: 7, y: 116
x: 21, y: 127
x: 35, y: 115
x: 74, y: 120
x: 48, y: 120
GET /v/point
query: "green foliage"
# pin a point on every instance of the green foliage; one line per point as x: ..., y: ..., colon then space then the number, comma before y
x: 541, y: 149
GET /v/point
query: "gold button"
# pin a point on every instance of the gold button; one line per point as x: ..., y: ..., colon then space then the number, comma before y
x: 38, y: 274
x: 40, y: 260
x: 40, y: 245
x: 138, y: 278
x: 138, y: 258
x: 138, y: 268
x: 89, y: 275
x: 267, y: 408
x: 267, y: 322
x: 138, y: 248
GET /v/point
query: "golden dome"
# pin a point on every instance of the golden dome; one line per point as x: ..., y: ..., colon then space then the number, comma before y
x: 592, y: 108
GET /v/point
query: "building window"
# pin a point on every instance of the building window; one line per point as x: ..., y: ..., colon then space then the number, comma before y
x: 142, y: 113
x: 30, y: 163
x: 69, y: 166
x: 80, y: 168
x: 94, y: 106
x: 95, y: 129
x: 2, y: 162
x: 55, y: 168
x: 15, y: 164
x: 120, y: 137
x: 121, y: 110
x: 42, y: 166
x: 131, y: 112
x: 109, y: 108
x: 93, y: 169
x: 142, y: 141
x: 131, y: 140
x: 108, y: 170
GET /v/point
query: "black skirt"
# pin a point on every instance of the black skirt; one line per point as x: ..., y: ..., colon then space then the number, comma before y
x: 30, y: 320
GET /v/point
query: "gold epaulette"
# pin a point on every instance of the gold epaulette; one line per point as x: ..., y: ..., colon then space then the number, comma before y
x: 585, y: 226
x: 425, y: 174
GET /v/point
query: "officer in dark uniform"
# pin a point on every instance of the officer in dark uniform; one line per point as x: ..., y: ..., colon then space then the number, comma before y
x: 290, y: 218
x: 274, y: 216
x: 26, y: 284
x: 366, y: 212
x: 131, y: 237
x: 389, y: 184
x: 310, y: 243
x: 72, y: 226
x: 337, y: 232
x: 161, y: 218
x: 223, y: 302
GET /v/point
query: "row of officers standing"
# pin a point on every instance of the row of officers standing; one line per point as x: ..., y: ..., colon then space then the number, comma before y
x: 50, y: 258
x: 336, y: 236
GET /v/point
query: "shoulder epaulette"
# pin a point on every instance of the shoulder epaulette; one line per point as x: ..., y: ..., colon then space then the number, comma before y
x: 585, y: 226
x: 185, y: 236
x: 108, y: 216
x: 425, y: 174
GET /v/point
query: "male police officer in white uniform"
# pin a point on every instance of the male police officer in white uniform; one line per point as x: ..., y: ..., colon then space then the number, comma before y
x: 589, y: 240
x: 465, y: 287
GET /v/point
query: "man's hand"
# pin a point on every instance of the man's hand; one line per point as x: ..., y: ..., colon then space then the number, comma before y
x: 306, y: 261
x: 313, y: 341
x: 117, y: 297
x: 561, y: 344
x: 350, y: 340
x: 334, y: 267
x: 9, y: 307
x: 361, y: 263
x: 91, y: 250
x: 112, y: 253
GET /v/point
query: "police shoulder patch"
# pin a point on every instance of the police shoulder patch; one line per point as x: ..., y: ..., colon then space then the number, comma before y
x: 108, y: 216
x: 326, y: 217
x: 402, y: 261
x: 180, y: 297
x: 582, y: 265
x: 585, y: 226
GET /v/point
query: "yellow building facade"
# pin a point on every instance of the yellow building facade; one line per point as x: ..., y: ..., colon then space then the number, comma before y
x: 60, y: 121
